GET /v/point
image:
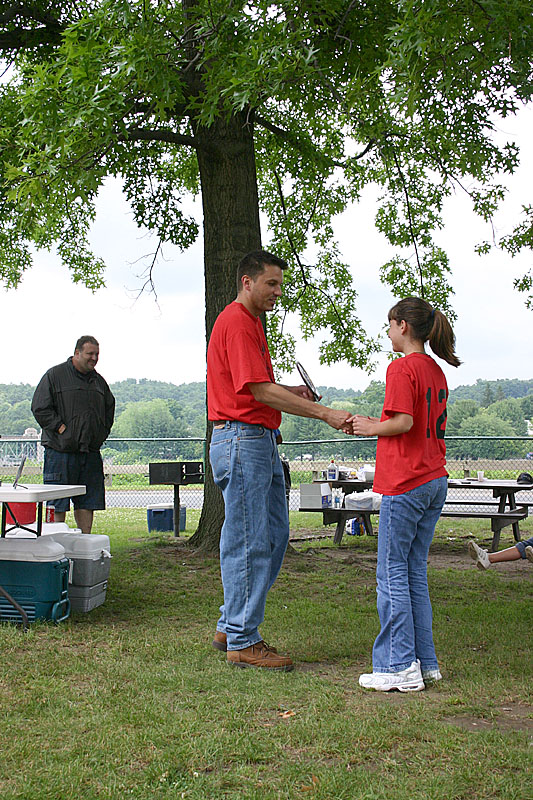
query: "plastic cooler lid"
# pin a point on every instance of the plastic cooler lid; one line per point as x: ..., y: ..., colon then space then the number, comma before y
x: 57, y: 527
x: 161, y: 507
x: 40, y: 549
x: 28, y: 527
x: 20, y: 533
x: 47, y: 528
x: 83, y: 545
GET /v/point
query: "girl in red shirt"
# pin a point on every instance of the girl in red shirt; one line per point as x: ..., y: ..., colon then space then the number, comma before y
x: 411, y: 476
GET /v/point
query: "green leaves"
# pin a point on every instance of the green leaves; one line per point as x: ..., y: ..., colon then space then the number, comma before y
x: 338, y: 95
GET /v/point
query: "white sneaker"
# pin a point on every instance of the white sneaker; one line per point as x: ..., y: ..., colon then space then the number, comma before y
x: 529, y: 553
x: 407, y: 680
x: 481, y: 557
x: 431, y: 676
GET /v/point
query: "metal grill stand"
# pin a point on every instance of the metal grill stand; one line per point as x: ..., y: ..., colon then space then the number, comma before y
x: 176, y: 473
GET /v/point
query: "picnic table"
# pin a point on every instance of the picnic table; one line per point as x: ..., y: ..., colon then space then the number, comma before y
x: 497, y: 503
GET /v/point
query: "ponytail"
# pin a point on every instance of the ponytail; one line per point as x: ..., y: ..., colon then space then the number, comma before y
x: 427, y: 324
x: 442, y: 339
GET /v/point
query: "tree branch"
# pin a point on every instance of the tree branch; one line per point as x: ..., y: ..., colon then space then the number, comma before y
x: 27, y: 11
x: 306, y: 282
x: 340, y: 26
x: 286, y: 136
x: 148, y: 273
x: 410, y: 218
x: 28, y: 39
x: 158, y: 135
x: 20, y: 37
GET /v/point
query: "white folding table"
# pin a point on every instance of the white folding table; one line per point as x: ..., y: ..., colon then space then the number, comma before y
x: 33, y: 493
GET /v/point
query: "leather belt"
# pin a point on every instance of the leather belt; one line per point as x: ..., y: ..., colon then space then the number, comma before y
x: 219, y: 423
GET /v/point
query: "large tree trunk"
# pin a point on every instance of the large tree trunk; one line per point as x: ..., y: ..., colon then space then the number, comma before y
x: 226, y: 161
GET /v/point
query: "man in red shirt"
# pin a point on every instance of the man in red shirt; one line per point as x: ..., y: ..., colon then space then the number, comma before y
x: 245, y: 405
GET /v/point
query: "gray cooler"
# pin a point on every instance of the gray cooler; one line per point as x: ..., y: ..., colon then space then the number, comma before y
x: 85, y: 598
x: 90, y: 561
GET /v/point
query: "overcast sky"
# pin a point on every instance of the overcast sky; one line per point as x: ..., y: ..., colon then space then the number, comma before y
x: 141, y: 339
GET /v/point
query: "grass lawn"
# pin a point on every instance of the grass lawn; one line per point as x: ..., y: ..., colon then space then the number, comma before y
x: 131, y: 700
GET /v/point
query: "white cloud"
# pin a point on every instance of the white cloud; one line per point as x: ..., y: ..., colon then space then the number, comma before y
x: 138, y: 338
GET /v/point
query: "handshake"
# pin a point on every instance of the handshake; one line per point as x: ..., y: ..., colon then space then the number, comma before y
x: 352, y: 424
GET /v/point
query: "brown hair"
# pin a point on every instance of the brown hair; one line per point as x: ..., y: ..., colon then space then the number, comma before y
x: 427, y: 324
x: 83, y: 340
x: 254, y: 264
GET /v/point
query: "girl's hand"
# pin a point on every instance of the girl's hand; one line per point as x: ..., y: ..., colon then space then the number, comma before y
x: 372, y: 426
x: 362, y: 426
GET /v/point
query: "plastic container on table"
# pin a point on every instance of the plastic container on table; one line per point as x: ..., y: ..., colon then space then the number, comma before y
x: 333, y: 471
x: 365, y: 501
x: 26, y: 513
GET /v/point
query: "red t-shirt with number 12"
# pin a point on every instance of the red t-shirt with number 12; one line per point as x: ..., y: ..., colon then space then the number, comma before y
x: 415, y: 385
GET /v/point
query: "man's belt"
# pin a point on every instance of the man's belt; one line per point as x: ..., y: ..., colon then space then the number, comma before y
x: 219, y: 423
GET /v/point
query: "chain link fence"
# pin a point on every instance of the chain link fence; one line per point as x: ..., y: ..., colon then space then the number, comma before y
x: 497, y: 457
x: 126, y: 463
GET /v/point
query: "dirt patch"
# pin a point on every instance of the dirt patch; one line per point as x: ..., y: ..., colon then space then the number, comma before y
x: 302, y: 549
x: 513, y: 717
x: 441, y: 556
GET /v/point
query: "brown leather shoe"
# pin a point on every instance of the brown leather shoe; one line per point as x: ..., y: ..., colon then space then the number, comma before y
x: 219, y: 642
x: 259, y: 655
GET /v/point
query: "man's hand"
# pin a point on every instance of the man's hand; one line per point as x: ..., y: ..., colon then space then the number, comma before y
x: 337, y: 419
x: 284, y: 398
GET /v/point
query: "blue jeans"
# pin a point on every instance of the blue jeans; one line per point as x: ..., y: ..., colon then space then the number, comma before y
x: 521, y: 546
x: 406, y: 527
x: 247, y: 468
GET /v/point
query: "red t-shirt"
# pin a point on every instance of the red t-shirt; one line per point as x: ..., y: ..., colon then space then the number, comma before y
x: 415, y: 385
x: 237, y: 355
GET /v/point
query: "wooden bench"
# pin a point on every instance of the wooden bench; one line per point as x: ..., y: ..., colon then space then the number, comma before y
x: 484, y: 510
x: 340, y: 515
x: 498, y: 519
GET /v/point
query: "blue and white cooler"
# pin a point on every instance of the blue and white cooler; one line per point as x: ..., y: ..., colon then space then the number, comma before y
x: 35, y: 573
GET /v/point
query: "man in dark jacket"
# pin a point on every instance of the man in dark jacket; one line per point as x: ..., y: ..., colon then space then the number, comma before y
x: 75, y: 409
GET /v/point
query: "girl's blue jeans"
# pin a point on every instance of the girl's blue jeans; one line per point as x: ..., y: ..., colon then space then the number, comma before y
x: 521, y: 546
x: 406, y: 527
x: 247, y: 468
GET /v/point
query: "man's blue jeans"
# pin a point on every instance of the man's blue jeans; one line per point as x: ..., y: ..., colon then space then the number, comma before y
x: 406, y: 527
x: 247, y: 468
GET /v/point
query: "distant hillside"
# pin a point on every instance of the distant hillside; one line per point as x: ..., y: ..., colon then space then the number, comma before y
x: 135, y: 390
x: 180, y: 409
x: 487, y: 392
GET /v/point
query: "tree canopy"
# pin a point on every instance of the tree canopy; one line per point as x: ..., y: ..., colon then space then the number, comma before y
x: 327, y: 96
x: 150, y: 418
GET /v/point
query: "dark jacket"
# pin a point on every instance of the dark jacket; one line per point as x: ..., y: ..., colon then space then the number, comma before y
x: 83, y: 402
